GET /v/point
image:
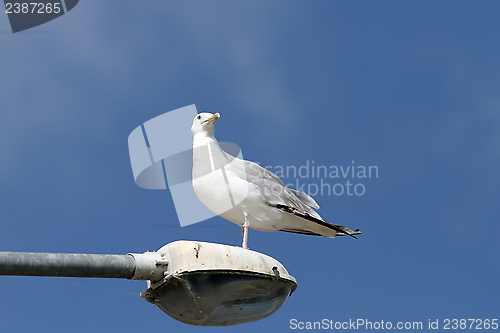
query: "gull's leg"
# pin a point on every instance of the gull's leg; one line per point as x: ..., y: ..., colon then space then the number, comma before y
x: 245, y: 231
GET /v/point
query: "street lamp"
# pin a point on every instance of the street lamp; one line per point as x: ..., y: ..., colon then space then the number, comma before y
x: 197, y: 283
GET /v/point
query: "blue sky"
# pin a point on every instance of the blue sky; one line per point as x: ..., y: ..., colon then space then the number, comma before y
x: 410, y: 87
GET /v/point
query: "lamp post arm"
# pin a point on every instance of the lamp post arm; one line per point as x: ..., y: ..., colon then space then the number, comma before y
x: 67, y: 264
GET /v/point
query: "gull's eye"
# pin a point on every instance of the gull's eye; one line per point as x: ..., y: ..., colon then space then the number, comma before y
x: 199, y: 117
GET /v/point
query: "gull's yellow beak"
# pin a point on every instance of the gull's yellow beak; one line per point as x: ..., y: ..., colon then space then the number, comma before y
x: 212, y: 119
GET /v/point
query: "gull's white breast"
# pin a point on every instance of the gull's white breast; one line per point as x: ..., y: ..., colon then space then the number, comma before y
x: 227, y: 194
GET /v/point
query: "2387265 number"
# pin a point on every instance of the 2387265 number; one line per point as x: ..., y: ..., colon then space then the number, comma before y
x: 32, y: 7
x: 477, y: 324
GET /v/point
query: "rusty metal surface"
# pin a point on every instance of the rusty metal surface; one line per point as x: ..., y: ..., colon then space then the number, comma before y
x: 190, y: 256
x: 209, y: 284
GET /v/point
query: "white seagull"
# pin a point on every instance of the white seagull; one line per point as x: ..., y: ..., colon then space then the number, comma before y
x: 249, y: 195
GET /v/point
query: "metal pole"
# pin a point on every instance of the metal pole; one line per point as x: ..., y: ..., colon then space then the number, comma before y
x: 67, y: 264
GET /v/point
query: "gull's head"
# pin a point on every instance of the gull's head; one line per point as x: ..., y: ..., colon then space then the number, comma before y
x: 204, y: 123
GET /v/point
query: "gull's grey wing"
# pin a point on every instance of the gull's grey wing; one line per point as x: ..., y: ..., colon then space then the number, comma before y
x: 273, y: 190
x: 277, y: 194
x: 305, y: 198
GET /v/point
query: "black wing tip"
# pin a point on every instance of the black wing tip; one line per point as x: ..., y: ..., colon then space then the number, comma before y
x: 345, y: 233
x: 341, y: 232
x: 356, y: 232
x: 338, y: 228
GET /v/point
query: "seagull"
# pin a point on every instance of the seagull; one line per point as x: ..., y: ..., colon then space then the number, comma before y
x: 249, y: 195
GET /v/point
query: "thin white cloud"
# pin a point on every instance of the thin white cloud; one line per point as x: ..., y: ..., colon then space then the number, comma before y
x: 49, y: 80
